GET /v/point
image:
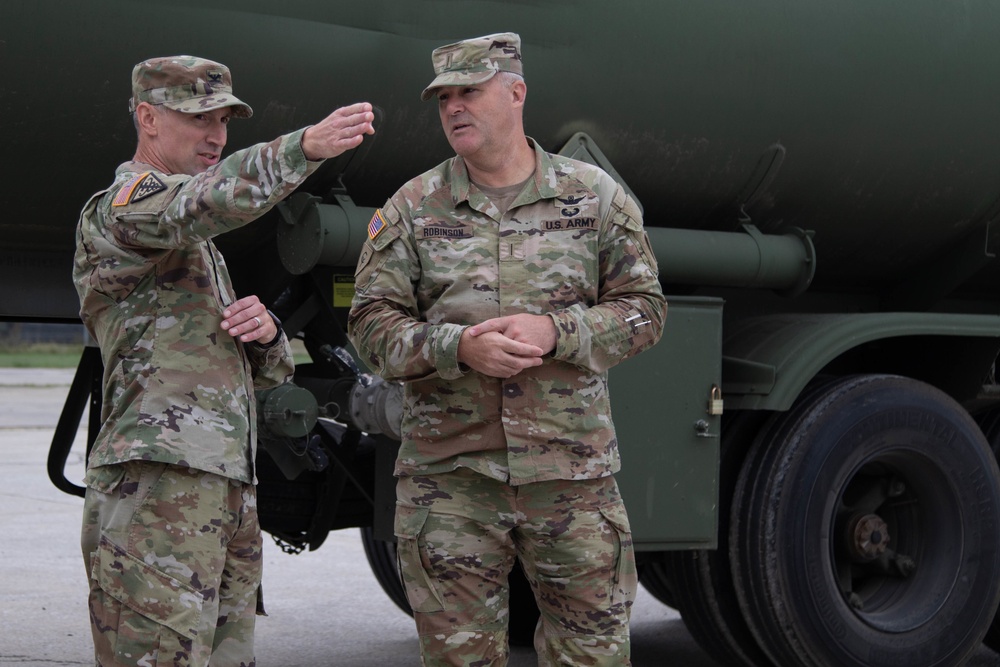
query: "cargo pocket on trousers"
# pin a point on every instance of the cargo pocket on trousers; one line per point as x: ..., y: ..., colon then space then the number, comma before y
x: 418, y: 583
x: 624, y: 567
x: 148, y: 592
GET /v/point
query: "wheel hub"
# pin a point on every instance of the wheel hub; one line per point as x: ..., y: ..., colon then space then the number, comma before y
x: 868, y: 537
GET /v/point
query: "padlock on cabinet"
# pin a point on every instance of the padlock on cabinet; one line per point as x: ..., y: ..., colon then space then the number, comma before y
x: 715, y: 401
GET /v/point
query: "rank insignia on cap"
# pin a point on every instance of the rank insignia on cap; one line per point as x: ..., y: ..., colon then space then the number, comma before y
x: 140, y: 187
x: 377, y: 224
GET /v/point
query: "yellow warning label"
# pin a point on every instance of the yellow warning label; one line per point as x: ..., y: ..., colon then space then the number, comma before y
x: 343, y: 291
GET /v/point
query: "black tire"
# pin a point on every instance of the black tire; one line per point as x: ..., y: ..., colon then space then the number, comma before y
x: 702, y: 579
x: 747, y: 480
x: 990, y: 425
x: 523, y: 610
x: 382, y: 560
x: 895, y: 462
x: 656, y: 577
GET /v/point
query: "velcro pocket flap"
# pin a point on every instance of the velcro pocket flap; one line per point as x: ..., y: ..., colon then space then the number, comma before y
x: 389, y: 235
x: 410, y: 521
x: 617, y: 517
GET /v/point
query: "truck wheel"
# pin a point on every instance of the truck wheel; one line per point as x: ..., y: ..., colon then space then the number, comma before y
x: 702, y: 581
x: 382, y: 560
x: 990, y: 424
x: 657, y: 578
x: 523, y: 610
x: 866, y: 530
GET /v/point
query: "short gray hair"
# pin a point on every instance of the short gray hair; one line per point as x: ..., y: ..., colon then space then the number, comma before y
x: 135, y: 117
x: 507, y: 79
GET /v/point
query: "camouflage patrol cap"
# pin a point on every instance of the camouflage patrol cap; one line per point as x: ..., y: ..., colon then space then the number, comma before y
x: 187, y: 84
x: 474, y: 60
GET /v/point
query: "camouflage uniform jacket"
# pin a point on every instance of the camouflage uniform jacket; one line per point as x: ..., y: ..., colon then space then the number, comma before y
x: 571, y: 246
x: 177, y: 388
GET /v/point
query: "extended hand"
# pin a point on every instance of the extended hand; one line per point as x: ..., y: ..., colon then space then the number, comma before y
x: 339, y: 132
x: 249, y: 319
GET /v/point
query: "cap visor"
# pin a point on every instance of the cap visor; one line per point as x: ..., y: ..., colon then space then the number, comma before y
x: 210, y: 103
x: 456, y: 79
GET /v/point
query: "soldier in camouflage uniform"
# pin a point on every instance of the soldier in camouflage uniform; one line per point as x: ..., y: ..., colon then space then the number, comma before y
x: 500, y: 286
x: 171, y: 540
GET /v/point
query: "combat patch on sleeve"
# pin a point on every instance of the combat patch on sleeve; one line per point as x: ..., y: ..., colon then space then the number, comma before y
x: 140, y: 187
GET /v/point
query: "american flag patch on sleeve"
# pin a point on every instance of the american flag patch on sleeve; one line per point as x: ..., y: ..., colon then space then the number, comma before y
x: 377, y: 224
x: 126, y: 192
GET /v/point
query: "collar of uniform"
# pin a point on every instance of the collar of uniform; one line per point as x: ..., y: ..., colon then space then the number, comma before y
x: 544, y: 185
x: 545, y: 180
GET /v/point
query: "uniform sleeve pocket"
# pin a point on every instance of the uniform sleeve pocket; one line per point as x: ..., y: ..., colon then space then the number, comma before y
x: 382, y: 241
x: 147, y: 591
x: 413, y: 561
x: 373, y: 257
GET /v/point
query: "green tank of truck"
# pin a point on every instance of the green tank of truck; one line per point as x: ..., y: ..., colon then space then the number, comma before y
x: 809, y: 453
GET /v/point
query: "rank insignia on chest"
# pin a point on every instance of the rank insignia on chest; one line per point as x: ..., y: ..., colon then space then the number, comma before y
x: 377, y: 224
x: 137, y: 189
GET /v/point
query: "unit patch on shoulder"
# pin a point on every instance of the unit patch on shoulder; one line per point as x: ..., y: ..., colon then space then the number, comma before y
x: 377, y: 224
x: 140, y: 187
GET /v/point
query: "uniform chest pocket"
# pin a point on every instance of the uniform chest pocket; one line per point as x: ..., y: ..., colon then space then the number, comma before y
x: 569, y: 240
x: 447, y: 250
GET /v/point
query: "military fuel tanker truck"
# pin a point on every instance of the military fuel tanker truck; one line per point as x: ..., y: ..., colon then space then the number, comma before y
x: 809, y: 453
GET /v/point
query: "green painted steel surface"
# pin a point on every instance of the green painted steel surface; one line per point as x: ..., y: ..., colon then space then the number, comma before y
x: 669, y: 442
x: 870, y: 123
x: 771, y: 359
x: 784, y: 263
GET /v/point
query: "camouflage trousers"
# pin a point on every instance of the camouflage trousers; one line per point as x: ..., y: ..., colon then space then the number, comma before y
x: 174, y: 561
x: 458, y: 535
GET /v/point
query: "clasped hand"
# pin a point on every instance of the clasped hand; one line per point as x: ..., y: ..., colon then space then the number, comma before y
x: 504, y: 346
